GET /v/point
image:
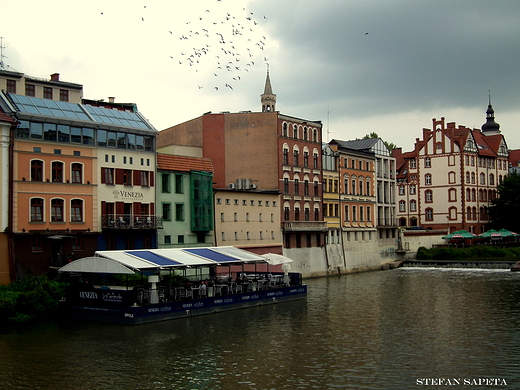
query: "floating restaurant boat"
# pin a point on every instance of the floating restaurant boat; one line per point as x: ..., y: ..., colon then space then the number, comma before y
x: 141, y: 286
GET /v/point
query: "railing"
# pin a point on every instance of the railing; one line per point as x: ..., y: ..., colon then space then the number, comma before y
x: 131, y: 222
x: 305, y: 226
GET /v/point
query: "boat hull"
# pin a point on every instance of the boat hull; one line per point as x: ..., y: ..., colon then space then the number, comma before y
x: 141, y: 314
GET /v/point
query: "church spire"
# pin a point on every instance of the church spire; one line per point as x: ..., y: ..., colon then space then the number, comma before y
x: 268, y: 98
x: 490, y: 127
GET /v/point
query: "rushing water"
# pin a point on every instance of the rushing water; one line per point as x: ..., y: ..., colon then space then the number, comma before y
x: 393, y: 329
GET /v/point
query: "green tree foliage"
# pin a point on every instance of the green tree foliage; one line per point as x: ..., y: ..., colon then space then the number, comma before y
x: 389, y: 145
x: 504, y: 211
x: 35, y: 298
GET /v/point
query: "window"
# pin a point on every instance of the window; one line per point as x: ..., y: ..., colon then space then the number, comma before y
x: 64, y: 95
x: 179, y: 189
x: 295, y: 157
x: 297, y: 214
x: 491, y: 179
x: 401, y: 189
x: 286, y: 156
x: 306, y: 187
x: 57, y: 172
x: 413, y: 163
x: 468, y: 213
x: 166, y: 212
x: 369, y: 216
x: 354, y: 214
x: 179, y: 211
x: 305, y: 159
x: 402, y: 205
x: 296, y: 187
x: 429, y: 196
x: 144, y: 178
x: 127, y: 177
x: 165, y: 183
x: 413, y: 205
x: 77, y: 173
x: 36, y: 170
x: 413, y: 189
x: 316, y: 191
x: 36, y: 210
x: 107, y: 175
x: 30, y: 90
x: 285, y: 185
x: 429, y: 214
x: 482, y: 178
x: 47, y: 93
x: 57, y: 210
x: 472, y: 177
x: 316, y: 160
x: 428, y: 179
x: 284, y: 130
x: 76, y: 210
x: 467, y: 178
x: 11, y: 86
x: 451, y: 177
x: 167, y: 240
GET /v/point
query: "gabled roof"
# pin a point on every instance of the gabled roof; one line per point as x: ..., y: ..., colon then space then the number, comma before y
x: 514, y: 157
x: 358, y: 144
x: 483, y: 148
x: 170, y: 162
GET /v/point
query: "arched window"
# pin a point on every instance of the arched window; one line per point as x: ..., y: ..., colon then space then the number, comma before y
x: 452, y: 195
x: 36, y: 170
x: 401, y: 189
x: 482, y: 178
x: 57, y: 210
x: 36, y: 210
x: 429, y: 214
x: 452, y: 213
x: 57, y: 172
x: 368, y: 187
x: 473, y: 195
x: 472, y: 177
x: 468, y: 213
x: 346, y: 184
x: 76, y: 210
x: 402, y: 206
x: 77, y: 173
x: 467, y: 177
x: 413, y: 189
x: 474, y: 213
x: 315, y: 135
x: 305, y: 134
x: 468, y: 195
x: 284, y: 130
x: 285, y: 156
x: 295, y: 131
x: 491, y: 179
x: 428, y: 196
x: 428, y: 179
x: 413, y: 205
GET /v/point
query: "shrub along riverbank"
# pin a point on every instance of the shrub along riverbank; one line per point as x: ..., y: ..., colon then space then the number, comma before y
x: 32, y: 300
x: 471, y: 252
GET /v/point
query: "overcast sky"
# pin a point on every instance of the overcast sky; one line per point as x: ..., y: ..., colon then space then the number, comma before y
x: 359, y: 66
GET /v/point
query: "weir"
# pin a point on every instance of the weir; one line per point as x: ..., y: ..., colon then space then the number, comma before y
x: 479, y: 264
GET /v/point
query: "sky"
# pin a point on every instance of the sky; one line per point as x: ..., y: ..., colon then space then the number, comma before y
x: 358, y: 66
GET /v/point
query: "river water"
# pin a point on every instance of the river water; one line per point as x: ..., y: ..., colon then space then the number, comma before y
x: 396, y: 329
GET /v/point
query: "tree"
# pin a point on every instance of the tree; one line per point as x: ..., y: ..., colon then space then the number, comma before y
x: 504, y: 211
x: 389, y: 145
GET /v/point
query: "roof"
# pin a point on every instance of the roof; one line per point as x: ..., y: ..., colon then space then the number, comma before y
x: 6, y: 118
x: 80, y: 112
x: 170, y: 162
x: 131, y: 261
x: 514, y: 157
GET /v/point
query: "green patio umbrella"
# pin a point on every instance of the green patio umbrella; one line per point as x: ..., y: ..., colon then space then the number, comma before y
x: 507, y: 233
x: 459, y: 234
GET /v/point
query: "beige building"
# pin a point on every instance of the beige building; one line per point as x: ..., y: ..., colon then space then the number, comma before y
x: 248, y: 218
x: 450, y: 178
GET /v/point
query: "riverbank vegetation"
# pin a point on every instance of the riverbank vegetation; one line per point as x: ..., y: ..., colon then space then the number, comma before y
x: 471, y: 252
x: 31, y: 300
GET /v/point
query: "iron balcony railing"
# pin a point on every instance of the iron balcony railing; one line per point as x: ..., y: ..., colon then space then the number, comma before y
x: 125, y: 221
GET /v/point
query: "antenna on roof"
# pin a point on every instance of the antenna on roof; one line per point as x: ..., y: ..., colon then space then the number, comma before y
x: 2, y: 56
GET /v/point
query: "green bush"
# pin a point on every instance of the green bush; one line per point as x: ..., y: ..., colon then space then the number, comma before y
x: 472, y: 252
x: 33, y: 299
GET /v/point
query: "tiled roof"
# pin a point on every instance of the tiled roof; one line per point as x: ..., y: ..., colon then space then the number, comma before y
x: 170, y: 162
x: 5, y: 118
x: 514, y: 157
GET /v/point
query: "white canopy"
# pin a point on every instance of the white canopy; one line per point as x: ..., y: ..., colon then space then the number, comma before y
x: 131, y: 261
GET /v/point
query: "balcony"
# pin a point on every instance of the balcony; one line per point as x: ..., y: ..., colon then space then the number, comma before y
x: 305, y: 226
x: 131, y: 222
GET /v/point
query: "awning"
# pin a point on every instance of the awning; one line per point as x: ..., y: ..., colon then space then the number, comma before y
x: 131, y: 261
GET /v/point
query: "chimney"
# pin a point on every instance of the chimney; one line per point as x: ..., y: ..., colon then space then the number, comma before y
x: 55, y: 77
x: 111, y: 99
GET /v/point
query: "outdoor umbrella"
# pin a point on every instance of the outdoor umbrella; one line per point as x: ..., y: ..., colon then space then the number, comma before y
x: 459, y: 234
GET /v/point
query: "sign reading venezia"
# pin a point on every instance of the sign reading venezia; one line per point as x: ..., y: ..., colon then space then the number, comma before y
x: 121, y: 194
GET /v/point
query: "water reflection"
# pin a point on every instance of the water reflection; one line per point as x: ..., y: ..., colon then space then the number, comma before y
x: 379, y: 330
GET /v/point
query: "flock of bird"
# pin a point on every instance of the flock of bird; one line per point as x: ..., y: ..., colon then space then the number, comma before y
x: 228, y: 44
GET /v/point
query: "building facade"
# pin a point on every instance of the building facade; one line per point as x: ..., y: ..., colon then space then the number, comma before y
x: 81, y: 174
x: 451, y: 176
x: 185, y: 201
x: 275, y: 151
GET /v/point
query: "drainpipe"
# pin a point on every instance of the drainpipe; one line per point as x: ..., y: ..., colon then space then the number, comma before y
x: 10, y: 212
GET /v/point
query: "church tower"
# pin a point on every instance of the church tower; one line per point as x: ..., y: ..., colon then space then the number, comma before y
x: 490, y: 127
x: 268, y: 98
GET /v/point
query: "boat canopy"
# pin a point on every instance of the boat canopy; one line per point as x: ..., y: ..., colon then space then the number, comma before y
x: 131, y: 261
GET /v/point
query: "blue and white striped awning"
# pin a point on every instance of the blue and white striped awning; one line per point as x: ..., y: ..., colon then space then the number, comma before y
x: 130, y: 261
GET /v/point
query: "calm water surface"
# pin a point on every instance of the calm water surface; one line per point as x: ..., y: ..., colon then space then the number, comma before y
x: 377, y: 330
